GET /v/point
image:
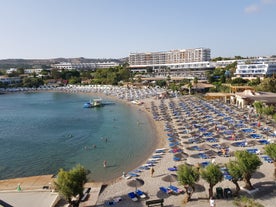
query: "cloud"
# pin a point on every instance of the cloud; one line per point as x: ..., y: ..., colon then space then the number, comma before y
x: 257, y: 7
x: 253, y: 8
x: 268, y: 1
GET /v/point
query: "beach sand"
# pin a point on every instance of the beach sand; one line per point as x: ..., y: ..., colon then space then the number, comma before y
x: 119, y: 188
x: 262, y: 179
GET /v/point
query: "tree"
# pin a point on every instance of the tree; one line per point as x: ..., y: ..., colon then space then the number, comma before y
x: 188, y: 176
x: 258, y: 105
x: 270, y: 150
x: 70, y: 183
x: 236, y: 173
x: 246, y: 202
x: 32, y: 82
x: 268, y: 110
x: 248, y: 164
x: 268, y: 84
x: 213, y: 175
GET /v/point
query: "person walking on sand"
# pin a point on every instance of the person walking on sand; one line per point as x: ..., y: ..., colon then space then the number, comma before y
x: 104, y: 163
x: 212, y: 202
x: 151, y: 171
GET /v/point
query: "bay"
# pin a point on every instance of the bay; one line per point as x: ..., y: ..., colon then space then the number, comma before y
x: 43, y: 132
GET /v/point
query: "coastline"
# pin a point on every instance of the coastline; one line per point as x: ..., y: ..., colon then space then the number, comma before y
x: 156, y: 127
x: 119, y: 187
x: 156, y: 139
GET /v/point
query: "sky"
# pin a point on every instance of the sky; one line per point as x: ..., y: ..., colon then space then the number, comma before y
x: 34, y: 29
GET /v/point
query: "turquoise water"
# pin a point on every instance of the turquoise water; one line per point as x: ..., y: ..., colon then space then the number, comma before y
x: 43, y: 132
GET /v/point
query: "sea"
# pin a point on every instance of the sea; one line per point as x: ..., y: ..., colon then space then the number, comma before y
x: 40, y: 133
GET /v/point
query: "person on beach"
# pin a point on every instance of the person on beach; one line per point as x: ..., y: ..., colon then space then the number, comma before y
x: 151, y: 171
x: 104, y: 163
x: 212, y: 202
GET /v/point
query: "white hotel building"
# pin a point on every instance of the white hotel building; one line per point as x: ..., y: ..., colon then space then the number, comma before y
x: 258, y: 68
x: 186, y: 62
x: 84, y: 66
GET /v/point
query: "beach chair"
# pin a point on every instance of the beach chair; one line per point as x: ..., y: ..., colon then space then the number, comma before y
x: 132, y: 196
x: 140, y: 194
x: 203, y: 156
x: 267, y: 159
x: 165, y: 190
x: 264, y: 141
x: 175, y: 189
x: 172, y: 168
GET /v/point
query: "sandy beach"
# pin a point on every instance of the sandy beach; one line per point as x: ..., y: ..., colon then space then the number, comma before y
x: 196, y: 127
x: 263, y: 179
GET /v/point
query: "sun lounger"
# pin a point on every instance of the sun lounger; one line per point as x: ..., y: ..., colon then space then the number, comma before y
x: 203, y: 156
x: 205, y: 164
x: 172, y: 168
x: 267, y: 159
x: 253, y: 151
x: 132, y: 174
x: 175, y: 189
x: 176, y: 158
x: 256, y: 136
x: 132, y: 196
x: 263, y: 141
x: 165, y: 190
x: 240, y: 144
x: 211, y: 140
x: 113, y: 202
x: 140, y: 194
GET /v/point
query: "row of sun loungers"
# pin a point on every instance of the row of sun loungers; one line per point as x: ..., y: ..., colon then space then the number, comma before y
x: 171, y: 190
x: 138, y: 194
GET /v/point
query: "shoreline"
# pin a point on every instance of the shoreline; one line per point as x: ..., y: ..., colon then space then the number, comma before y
x: 119, y: 188
x: 156, y: 140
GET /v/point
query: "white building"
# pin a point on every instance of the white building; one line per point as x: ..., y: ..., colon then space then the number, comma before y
x: 186, y: 62
x: 258, y: 69
x: 31, y: 71
x: 84, y: 66
x: 11, y: 70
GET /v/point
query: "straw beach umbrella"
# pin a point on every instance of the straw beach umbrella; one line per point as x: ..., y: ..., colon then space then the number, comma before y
x: 170, y: 178
x: 137, y: 182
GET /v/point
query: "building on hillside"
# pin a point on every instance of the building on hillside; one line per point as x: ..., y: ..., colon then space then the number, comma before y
x: 11, y: 70
x: 10, y: 80
x: 32, y: 71
x: 186, y: 62
x: 84, y: 66
x: 257, y: 69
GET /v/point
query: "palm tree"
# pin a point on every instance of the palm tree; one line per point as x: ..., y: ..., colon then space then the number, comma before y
x: 213, y: 175
x: 188, y: 176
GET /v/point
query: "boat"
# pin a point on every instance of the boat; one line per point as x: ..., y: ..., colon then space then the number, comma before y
x: 97, y: 102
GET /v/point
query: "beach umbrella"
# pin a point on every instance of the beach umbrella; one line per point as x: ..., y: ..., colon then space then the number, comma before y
x: 225, y: 145
x: 205, y: 146
x: 137, y: 182
x: 170, y: 178
x: 211, y: 153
